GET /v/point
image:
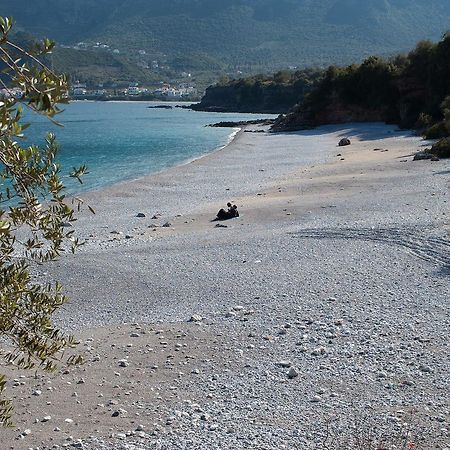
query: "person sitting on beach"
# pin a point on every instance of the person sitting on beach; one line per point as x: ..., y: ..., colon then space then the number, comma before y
x: 230, y: 214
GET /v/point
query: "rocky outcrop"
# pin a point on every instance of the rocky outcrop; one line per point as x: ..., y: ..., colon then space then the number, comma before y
x: 304, y: 117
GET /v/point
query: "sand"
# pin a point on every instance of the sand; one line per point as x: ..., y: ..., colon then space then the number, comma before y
x: 348, y: 246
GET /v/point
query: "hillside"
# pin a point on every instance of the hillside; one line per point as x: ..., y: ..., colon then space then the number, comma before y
x: 245, y: 35
x: 412, y: 91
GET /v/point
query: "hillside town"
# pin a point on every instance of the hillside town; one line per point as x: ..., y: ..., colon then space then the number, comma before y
x: 164, y: 91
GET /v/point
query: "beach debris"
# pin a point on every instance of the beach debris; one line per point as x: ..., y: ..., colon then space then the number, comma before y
x: 140, y: 215
x: 343, y: 142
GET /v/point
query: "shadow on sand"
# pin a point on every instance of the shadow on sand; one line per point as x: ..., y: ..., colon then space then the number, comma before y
x: 368, y: 131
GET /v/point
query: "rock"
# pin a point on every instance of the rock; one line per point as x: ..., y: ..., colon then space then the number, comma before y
x: 37, y: 393
x: 230, y: 314
x: 422, y: 155
x: 123, y: 363
x: 344, y: 141
x: 319, y: 351
x: 135, y: 335
x: 68, y: 421
x: 167, y: 225
x: 221, y: 225
x: 119, y: 413
x: 196, y: 318
x: 434, y: 158
x: 46, y: 419
x: 140, y: 215
x: 285, y: 364
x: 129, y: 236
x: 293, y: 373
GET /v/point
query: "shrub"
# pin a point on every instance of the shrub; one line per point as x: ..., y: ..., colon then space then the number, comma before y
x: 442, y: 148
x: 436, y: 131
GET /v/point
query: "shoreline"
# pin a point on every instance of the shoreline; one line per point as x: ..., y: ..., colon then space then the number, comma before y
x: 337, y: 268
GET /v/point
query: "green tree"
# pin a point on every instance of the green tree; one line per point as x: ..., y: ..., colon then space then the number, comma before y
x: 446, y: 111
x: 33, y: 212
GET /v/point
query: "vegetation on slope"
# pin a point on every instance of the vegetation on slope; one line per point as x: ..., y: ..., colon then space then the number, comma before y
x: 412, y: 91
x: 246, y: 35
x: 261, y: 93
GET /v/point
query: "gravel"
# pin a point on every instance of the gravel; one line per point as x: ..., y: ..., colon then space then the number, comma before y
x: 328, y: 323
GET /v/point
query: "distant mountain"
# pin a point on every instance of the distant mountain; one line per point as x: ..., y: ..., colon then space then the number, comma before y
x: 247, y: 35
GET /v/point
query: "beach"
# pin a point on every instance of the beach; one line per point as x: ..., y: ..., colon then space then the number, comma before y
x: 321, y: 312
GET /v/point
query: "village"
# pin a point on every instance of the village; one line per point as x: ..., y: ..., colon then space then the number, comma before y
x: 162, y: 91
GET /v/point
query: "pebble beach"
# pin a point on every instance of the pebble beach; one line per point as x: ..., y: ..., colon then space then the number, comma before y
x: 318, y: 319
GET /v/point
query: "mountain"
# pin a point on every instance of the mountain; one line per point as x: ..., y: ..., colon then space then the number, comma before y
x: 245, y: 35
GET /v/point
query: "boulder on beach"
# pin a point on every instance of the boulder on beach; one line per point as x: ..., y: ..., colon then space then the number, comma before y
x: 422, y: 155
x: 344, y: 141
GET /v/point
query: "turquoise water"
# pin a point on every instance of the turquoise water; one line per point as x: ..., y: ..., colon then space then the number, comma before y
x: 125, y: 140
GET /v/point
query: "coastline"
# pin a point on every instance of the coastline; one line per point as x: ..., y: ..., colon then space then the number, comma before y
x: 337, y: 267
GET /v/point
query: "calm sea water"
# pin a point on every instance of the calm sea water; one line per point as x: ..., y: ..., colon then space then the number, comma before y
x: 125, y: 140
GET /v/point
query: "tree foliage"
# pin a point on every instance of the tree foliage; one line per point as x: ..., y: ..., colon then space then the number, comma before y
x: 260, y: 93
x: 33, y: 212
x: 411, y: 90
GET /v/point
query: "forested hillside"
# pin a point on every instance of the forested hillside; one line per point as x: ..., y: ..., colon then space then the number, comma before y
x: 412, y: 91
x: 246, y: 35
x: 272, y: 94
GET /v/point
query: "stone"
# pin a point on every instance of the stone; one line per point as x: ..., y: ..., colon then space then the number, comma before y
x: 422, y: 155
x: 221, y: 225
x: 196, y: 318
x: 344, y: 141
x: 167, y: 225
x: 119, y: 413
x: 123, y: 363
x: 37, y: 393
x: 285, y: 364
x: 46, y: 419
x: 293, y: 373
x: 140, y: 215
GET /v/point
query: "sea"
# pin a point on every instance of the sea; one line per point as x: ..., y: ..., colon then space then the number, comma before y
x: 121, y: 141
